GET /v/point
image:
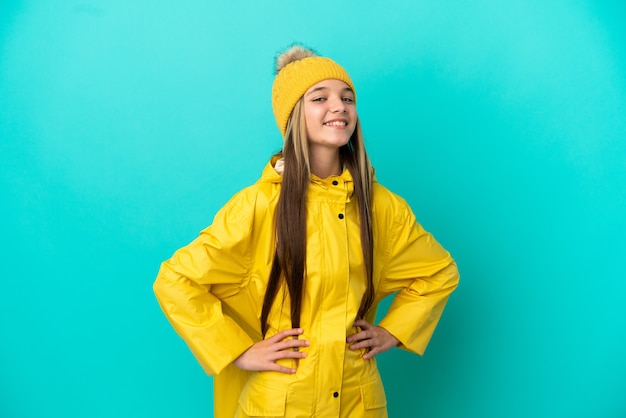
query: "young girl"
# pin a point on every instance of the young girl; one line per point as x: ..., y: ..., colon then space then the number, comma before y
x: 278, y: 296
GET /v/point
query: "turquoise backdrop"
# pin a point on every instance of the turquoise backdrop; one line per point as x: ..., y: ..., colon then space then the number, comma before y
x: 125, y: 125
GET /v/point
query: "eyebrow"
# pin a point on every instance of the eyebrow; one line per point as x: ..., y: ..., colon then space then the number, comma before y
x: 326, y: 88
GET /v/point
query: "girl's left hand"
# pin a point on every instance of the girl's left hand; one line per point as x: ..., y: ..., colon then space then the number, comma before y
x: 376, y: 339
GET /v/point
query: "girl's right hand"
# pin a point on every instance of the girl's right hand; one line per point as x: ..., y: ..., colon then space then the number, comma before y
x: 262, y: 356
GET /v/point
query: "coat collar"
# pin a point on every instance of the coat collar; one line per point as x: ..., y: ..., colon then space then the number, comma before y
x: 273, y: 170
x: 272, y: 173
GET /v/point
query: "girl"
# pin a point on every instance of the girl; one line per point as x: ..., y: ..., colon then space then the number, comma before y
x: 277, y: 297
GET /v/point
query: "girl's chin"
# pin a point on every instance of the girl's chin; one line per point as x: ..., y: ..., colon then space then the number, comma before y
x: 337, y: 141
x: 333, y: 144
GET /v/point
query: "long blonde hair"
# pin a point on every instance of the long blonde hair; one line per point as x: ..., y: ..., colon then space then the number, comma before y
x: 291, y: 211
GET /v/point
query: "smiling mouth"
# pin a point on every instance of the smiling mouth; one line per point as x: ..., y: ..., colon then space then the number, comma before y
x: 336, y: 123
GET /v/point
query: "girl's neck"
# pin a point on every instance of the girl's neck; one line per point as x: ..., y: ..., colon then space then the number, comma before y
x: 325, y: 162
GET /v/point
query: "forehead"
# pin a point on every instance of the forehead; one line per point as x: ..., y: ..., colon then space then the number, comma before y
x: 329, y: 84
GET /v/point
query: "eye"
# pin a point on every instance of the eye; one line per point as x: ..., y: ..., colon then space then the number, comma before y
x: 319, y: 99
x: 348, y: 99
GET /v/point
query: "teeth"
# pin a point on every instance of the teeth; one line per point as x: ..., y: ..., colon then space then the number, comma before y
x: 336, y: 123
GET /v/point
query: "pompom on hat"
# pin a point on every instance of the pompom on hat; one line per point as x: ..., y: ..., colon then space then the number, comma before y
x: 298, y: 69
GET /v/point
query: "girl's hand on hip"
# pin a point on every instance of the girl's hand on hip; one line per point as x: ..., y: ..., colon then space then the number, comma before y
x: 376, y: 339
x: 262, y: 356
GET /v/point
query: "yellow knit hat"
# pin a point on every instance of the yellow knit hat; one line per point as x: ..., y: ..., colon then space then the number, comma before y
x: 295, y: 78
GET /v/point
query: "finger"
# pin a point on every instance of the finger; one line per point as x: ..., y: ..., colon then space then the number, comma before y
x: 370, y: 354
x: 359, y: 336
x: 363, y: 324
x: 281, y: 369
x: 285, y: 334
x: 359, y: 346
x: 287, y: 354
x: 287, y: 344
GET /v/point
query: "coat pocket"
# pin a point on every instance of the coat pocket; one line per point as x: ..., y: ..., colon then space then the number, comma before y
x: 261, y: 400
x: 373, y: 394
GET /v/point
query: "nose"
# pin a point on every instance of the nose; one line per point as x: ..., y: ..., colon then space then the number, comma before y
x: 338, y: 105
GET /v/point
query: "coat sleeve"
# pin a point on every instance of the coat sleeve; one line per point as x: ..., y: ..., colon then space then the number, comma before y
x: 423, y: 274
x: 218, y: 256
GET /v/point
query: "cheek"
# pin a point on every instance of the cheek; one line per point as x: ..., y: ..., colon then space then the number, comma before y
x: 354, y: 117
x: 309, y: 117
x: 313, y: 113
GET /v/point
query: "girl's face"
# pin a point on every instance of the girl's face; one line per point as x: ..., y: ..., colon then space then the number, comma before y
x: 329, y: 113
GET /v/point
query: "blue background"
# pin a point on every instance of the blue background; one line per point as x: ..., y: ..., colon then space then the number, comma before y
x: 125, y: 125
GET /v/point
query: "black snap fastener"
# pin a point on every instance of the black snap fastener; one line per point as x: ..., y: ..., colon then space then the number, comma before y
x: 336, y: 394
x: 341, y: 216
x: 335, y: 182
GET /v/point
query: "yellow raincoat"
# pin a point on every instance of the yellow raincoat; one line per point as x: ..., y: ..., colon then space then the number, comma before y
x: 212, y: 292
